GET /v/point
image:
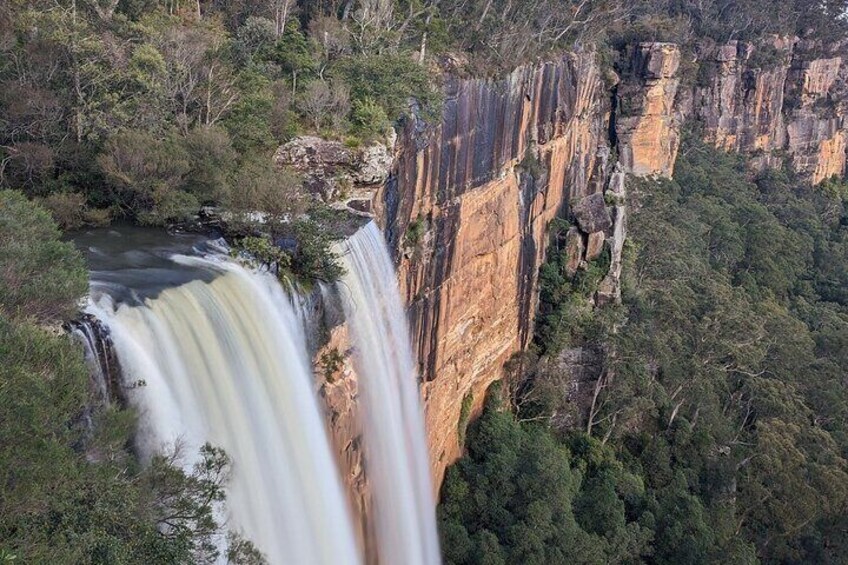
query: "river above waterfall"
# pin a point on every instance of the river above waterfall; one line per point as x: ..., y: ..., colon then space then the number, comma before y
x: 132, y: 263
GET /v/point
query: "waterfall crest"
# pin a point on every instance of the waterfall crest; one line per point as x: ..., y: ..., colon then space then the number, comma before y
x: 224, y: 360
x: 395, y: 440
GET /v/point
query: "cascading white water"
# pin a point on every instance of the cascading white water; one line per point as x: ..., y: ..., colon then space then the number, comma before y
x: 395, y: 441
x: 224, y: 361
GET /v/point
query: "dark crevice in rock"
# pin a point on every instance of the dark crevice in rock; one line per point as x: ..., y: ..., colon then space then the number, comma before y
x: 612, y: 133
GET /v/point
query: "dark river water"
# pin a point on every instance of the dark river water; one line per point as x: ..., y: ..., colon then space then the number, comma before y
x: 132, y: 263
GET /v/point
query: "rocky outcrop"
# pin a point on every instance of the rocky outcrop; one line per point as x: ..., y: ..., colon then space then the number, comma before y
x: 609, y: 291
x: 335, y: 172
x: 328, y: 340
x: 779, y: 99
x: 339, y: 389
x: 741, y: 105
x: 816, y: 133
x: 478, y: 192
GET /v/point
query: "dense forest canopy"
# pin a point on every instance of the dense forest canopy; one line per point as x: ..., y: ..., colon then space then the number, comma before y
x: 715, y: 430
x: 148, y: 109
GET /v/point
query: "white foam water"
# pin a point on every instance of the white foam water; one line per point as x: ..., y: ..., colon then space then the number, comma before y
x: 394, y: 434
x: 225, y: 361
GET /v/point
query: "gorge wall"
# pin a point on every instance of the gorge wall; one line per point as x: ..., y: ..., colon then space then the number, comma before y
x: 466, y: 212
x: 468, y: 204
x: 468, y: 200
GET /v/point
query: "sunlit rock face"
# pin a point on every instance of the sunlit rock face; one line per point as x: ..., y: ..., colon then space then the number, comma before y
x: 816, y: 134
x: 466, y: 213
x: 783, y: 99
x: 469, y: 199
x: 740, y: 103
x: 648, y: 121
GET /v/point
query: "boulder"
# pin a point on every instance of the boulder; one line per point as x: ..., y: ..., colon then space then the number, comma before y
x: 573, y: 250
x: 595, y: 245
x: 591, y: 214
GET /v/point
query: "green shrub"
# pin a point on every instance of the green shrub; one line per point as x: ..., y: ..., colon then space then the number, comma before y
x: 331, y: 361
x: 70, y: 211
x: 41, y: 277
x: 169, y: 206
x: 390, y: 81
x: 369, y: 118
x: 315, y: 259
x: 415, y: 231
x: 766, y: 56
x: 142, y: 170
x: 211, y: 160
x: 464, y: 416
x: 263, y: 251
x: 531, y: 165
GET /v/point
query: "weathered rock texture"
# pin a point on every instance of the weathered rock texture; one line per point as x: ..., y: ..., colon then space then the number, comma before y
x: 507, y: 157
x: 648, y: 122
x: 785, y: 98
x: 335, y: 172
x: 468, y: 202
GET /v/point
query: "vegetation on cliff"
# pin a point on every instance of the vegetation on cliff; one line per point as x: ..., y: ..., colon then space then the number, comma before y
x: 71, y: 490
x: 719, y: 394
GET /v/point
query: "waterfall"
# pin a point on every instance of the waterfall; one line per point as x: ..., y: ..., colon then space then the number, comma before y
x: 223, y: 360
x: 394, y: 436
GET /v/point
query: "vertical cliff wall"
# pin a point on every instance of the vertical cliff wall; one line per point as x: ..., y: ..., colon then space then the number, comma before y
x: 467, y: 210
x: 783, y: 99
x: 469, y: 199
x: 647, y: 119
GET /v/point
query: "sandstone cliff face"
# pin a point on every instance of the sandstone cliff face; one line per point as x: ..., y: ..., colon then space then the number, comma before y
x: 467, y: 211
x: 648, y: 121
x: 816, y: 132
x: 741, y: 107
x: 468, y: 202
x: 782, y: 102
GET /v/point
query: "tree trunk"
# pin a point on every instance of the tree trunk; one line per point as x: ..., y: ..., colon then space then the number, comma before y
x: 422, y: 52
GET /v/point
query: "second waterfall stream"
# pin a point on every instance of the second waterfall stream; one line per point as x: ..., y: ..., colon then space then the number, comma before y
x: 223, y: 358
x: 395, y: 439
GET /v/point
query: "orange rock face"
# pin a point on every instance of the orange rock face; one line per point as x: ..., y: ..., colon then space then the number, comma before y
x: 506, y: 159
x: 648, y: 126
x: 469, y: 201
x: 741, y: 108
x: 816, y: 126
x: 783, y: 104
